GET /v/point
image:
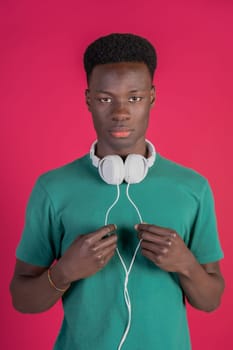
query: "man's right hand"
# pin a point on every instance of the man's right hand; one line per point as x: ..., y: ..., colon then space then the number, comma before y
x: 88, y: 254
x: 30, y: 288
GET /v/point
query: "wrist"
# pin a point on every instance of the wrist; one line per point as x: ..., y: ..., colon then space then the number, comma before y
x: 57, y: 278
x: 188, y: 268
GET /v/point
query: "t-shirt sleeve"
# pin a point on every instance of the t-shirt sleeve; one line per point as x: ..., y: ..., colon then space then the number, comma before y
x: 204, y: 239
x: 37, y: 245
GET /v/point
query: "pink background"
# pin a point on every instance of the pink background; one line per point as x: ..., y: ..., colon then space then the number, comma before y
x: 45, y: 123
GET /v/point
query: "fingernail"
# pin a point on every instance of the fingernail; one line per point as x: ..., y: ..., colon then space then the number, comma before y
x: 136, y: 226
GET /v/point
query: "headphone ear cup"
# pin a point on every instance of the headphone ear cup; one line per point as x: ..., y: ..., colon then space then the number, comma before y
x: 112, y: 169
x: 136, y: 168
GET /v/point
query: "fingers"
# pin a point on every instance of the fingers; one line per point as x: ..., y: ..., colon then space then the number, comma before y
x: 160, y: 241
x: 105, y: 243
x: 155, y: 252
x: 154, y: 233
x: 151, y: 256
x: 99, y: 234
x: 104, y: 256
x: 155, y: 249
x: 157, y: 242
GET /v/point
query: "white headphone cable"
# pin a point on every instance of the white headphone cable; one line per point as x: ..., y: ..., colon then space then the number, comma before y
x: 111, y: 206
x: 127, y: 271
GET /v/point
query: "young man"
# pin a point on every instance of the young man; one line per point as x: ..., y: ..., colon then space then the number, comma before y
x: 123, y: 282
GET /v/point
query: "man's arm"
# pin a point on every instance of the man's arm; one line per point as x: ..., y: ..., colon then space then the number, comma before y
x: 203, y: 285
x: 30, y: 287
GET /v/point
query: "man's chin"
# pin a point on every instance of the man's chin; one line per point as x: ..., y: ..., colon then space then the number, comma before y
x: 123, y: 145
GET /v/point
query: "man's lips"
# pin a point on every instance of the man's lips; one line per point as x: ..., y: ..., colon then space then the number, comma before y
x: 120, y: 132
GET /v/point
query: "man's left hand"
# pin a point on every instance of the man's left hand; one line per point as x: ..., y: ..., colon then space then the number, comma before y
x: 164, y: 247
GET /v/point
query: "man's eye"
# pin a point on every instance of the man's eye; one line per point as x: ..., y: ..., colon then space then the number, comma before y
x: 135, y: 99
x: 105, y: 100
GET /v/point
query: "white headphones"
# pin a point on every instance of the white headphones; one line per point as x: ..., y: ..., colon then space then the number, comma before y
x: 113, y: 170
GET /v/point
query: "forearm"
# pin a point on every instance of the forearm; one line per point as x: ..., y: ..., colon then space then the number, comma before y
x: 34, y: 294
x: 203, y: 289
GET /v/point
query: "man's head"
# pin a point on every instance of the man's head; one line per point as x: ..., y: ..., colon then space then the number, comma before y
x: 120, y: 94
x: 118, y: 47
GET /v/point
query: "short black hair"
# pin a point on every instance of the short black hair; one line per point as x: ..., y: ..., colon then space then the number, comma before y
x: 120, y: 47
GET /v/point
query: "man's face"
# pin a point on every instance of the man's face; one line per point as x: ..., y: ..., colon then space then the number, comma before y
x: 119, y: 98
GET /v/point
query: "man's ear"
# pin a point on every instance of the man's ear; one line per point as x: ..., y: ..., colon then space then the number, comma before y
x: 87, y: 97
x: 153, y: 96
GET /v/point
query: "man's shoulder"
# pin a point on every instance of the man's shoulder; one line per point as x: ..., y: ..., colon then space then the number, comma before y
x: 66, y: 173
x: 180, y: 174
x: 168, y: 165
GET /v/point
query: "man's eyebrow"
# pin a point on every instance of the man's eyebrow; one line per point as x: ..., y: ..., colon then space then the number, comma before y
x: 137, y: 90
x: 103, y: 91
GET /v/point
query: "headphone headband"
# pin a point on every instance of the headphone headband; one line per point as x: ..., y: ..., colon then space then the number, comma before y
x: 150, y: 160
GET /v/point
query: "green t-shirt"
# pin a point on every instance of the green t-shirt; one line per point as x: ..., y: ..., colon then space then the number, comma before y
x: 73, y: 200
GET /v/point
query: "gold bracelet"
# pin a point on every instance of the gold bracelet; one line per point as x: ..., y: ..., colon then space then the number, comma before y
x: 54, y: 285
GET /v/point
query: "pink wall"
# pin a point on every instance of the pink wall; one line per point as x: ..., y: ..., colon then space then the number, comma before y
x: 44, y: 121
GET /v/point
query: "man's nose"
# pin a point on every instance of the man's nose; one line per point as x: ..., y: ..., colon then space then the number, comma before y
x: 120, y: 111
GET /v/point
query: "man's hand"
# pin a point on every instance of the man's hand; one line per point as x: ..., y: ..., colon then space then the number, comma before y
x: 203, y: 285
x: 87, y: 254
x: 30, y: 288
x: 165, y: 248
